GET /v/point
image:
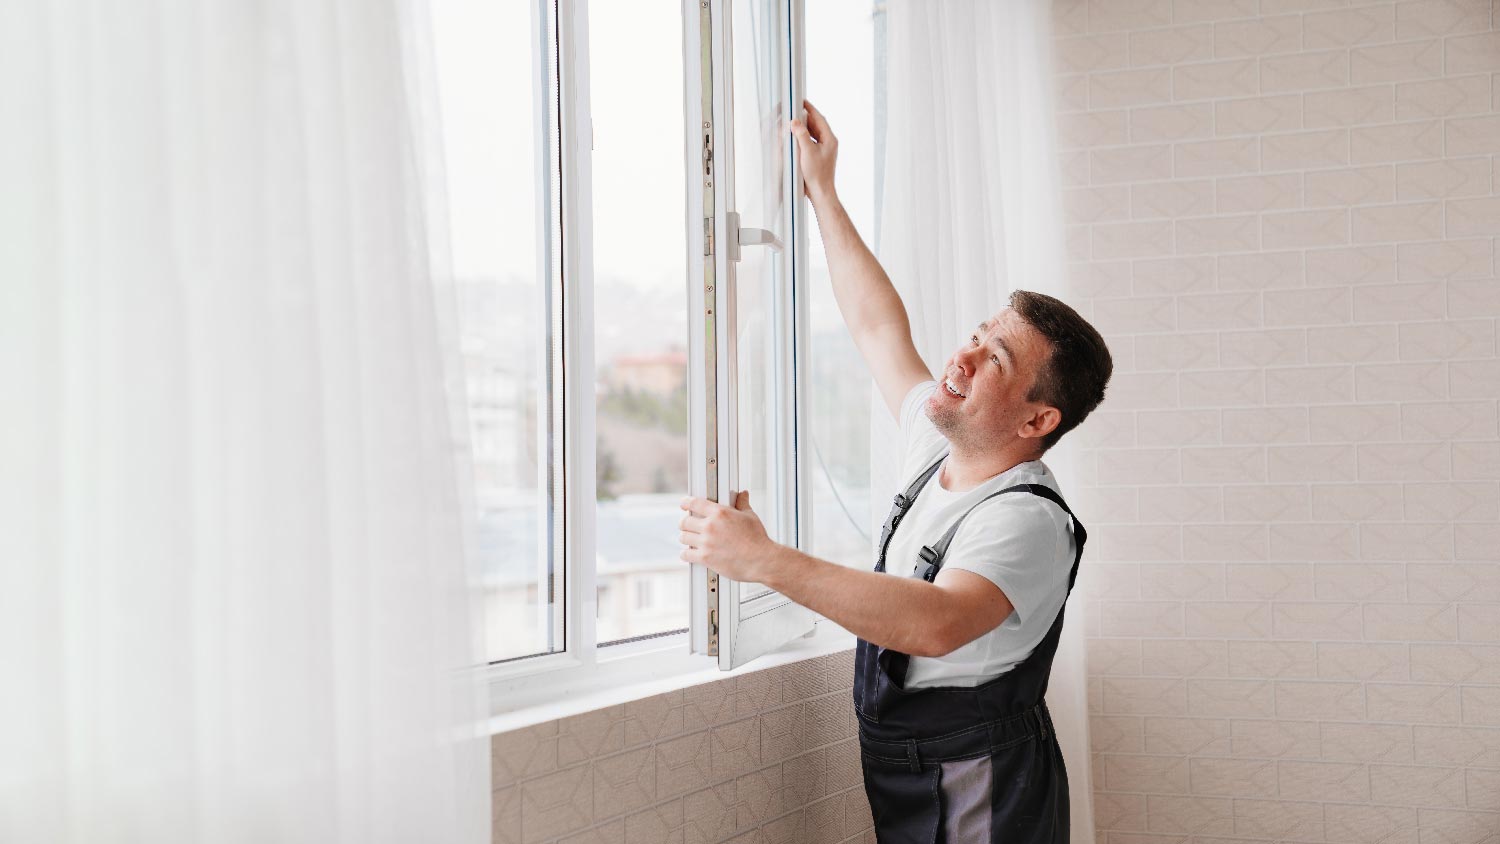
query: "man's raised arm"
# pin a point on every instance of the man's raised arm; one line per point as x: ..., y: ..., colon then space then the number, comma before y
x: 868, y: 302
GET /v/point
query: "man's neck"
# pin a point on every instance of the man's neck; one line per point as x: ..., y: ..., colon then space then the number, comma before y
x: 964, y: 470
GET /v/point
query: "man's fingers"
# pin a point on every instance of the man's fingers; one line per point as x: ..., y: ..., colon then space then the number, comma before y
x: 697, y: 506
x: 687, y: 539
x: 818, y: 124
x: 692, y: 523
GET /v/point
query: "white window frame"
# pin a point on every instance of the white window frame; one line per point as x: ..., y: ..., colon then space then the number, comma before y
x: 544, y: 686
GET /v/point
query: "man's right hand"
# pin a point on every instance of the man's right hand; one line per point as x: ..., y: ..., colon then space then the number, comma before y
x: 817, y: 151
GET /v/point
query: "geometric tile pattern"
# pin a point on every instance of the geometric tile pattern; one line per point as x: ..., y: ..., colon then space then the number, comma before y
x: 1287, y: 226
x: 779, y: 765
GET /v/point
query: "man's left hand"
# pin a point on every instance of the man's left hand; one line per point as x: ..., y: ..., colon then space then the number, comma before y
x: 730, y: 540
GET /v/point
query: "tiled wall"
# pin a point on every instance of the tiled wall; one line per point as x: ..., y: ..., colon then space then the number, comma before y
x: 1283, y: 216
x: 763, y: 758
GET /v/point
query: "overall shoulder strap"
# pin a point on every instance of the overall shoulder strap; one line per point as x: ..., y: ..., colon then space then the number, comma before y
x: 934, y: 554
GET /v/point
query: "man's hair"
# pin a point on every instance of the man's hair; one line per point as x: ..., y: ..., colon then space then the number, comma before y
x: 1074, y: 375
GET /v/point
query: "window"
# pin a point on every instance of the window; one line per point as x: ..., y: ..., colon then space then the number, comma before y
x: 630, y: 251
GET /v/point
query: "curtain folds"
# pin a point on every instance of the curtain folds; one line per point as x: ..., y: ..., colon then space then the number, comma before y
x: 971, y: 211
x: 233, y: 597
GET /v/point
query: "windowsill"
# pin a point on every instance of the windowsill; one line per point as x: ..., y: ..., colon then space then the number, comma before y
x: 618, y: 679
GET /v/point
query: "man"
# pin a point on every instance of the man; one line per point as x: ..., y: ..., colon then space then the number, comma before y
x: 954, y: 653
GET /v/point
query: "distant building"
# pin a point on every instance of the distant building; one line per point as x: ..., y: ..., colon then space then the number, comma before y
x: 662, y: 373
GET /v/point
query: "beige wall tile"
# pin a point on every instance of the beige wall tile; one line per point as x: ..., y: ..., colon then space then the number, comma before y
x: 1444, y: 178
x: 1135, y: 314
x: 1265, y: 425
x: 1258, y: 36
x: 1475, y: 379
x: 1443, y: 259
x: 1224, y: 542
x: 1350, y: 106
x: 1305, y: 150
x: 1481, y: 705
x: 1411, y: 622
x: 1131, y: 164
x: 1478, y: 53
x: 1216, y: 698
x: 1223, y: 464
x: 1198, y: 815
x: 1182, y: 504
x: 1275, y: 739
x: 1476, y: 542
x: 1177, y: 427
x: 1232, y: 619
x: 1222, y: 388
x: 1309, y: 384
x: 1212, y: 235
x: 1149, y: 696
x: 1116, y: 734
x: 1356, y: 502
x: 1413, y: 703
x: 1359, y: 581
x: 1320, y: 463
x: 1351, y: 343
x: 1145, y: 466
x: 1279, y: 819
x: 1265, y: 503
x: 1177, y: 352
x: 1410, y: 785
x: 1366, y: 743
x: 1320, y: 700
x: 1449, y: 421
x: 1272, y: 660
x: 1455, y: 663
x: 1181, y: 581
x: 1448, y: 340
x: 1460, y: 501
x: 556, y: 804
x: 1141, y: 618
x: 1394, y: 302
x: 1322, y: 620
x: 1263, y: 348
x: 1172, y: 46
x: 1146, y: 773
x: 1353, y: 423
x: 1131, y: 240
x: 1101, y: 204
x: 1181, y: 198
x: 1388, y: 223
x: 1254, y: 115
x: 1213, y: 80
x: 1099, y: 278
x: 1259, y: 193
x: 1270, y: 581
x: 1479, y: 216
x: 1348, y: 27
x: 1479, y: 622
x: 1351, y: 265
x: 1237, y: 777
x: 1437, y: 745
x: 1114, y: 657
x: 1108, y: 15
x: 1308, y: 306
x: 1134, y: 390
x: 1217, y: 311
x: 1351, y: 824
x: 1352, y: 186
x: 1400, y: 382
x: 1171, y: 123
x: 1184, y: 657
x: 1124, y: 88
x: 1472, y: 135
x: 1228, y: 156
x: 1441, y: 17
x: 1404, y: 461
x: 1086, y: 53
x: 1332, y: 781
x: 1305, y: 71
x: 1363, y: 661
x: 1401, y: 62
x: 1443, y: 97
x: 1396, y: 142
x: 1185, y: 11
x: 1302, y: 229
x: 1476, y: 461
x: 1452, y: 582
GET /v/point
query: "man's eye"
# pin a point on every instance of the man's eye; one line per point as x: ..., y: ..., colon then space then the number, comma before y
x: 996, y: 359
x: 974, y: 338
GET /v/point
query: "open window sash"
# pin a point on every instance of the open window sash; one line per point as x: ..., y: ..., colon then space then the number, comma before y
x: 747, y: 242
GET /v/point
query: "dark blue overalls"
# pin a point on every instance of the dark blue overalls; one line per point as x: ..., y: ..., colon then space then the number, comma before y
x: 956, y: 765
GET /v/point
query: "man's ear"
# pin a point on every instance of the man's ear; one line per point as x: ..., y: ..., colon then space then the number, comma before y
x: 1041, y: 423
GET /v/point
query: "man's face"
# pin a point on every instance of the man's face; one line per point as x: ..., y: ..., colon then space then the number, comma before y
x: 981, y: 401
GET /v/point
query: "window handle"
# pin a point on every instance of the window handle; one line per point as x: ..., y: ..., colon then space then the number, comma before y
x: 748, y: 237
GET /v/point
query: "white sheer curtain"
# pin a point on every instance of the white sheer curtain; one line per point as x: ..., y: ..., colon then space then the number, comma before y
x: 971, y: 211
x: 233, y: 605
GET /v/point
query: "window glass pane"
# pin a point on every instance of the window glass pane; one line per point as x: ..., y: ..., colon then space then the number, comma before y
x: 762, y: 303
x: 640, y: 315
x: 496, y: 83
x: 837, y: 425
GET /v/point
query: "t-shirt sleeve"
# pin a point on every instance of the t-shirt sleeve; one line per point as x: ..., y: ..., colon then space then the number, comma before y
x: 1016, y: 544
x: 918, y: 435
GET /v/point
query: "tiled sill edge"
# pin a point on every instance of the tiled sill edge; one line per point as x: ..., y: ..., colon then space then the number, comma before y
x: 828, y: 639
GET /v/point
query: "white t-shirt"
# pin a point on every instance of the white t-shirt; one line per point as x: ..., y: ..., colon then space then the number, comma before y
x: 1021, y: 542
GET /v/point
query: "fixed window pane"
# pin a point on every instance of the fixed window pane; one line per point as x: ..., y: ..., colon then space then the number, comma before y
x: 497, y: 83
x: 640, y: 316
x: 835, y: 430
